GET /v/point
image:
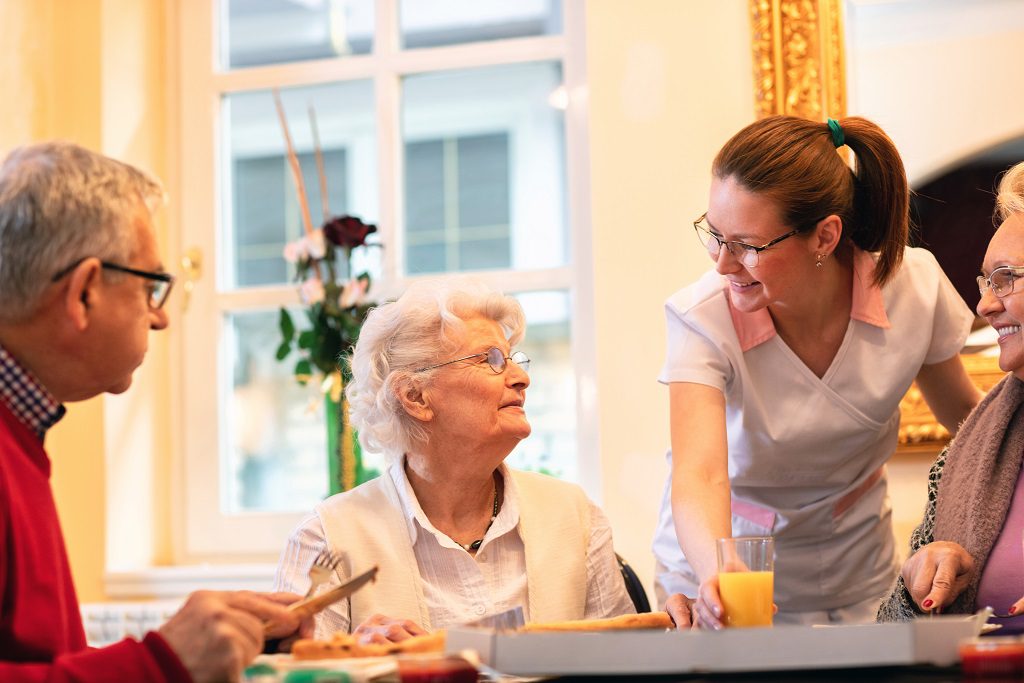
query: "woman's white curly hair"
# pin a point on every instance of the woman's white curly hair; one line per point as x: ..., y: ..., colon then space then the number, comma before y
x: 421, y: 328
x: 1010, y: 195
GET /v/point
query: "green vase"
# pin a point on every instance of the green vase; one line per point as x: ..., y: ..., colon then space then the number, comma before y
x: 345, y: 468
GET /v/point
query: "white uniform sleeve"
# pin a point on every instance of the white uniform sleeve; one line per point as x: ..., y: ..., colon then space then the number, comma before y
x: 952, y: 320
x: 691, y: 356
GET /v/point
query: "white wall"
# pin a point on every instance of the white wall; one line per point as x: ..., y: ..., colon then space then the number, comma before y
x: 941, y: 76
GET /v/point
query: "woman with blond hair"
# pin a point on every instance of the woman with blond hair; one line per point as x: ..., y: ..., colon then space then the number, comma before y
x: 967, y: 552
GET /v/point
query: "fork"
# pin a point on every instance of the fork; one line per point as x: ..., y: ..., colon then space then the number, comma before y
x: 324, y: 565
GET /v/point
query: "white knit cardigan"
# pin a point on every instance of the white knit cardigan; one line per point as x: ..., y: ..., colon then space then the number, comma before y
x: 366, y: 526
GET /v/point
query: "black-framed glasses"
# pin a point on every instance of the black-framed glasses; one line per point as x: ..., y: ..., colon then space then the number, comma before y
x: 1000, y: 280
x: 496, y: 360
x: 159, y: 283
x: 747, y: 254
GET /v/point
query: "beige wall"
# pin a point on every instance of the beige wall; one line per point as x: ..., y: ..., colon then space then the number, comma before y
x: 135, y: 129
x: 669, y: 83
x: 50, y: 78
x: 90, y: 71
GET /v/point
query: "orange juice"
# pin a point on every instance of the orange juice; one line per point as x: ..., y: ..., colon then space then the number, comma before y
x: 747, y: 597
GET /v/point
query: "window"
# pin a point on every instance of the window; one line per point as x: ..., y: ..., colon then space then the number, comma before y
x: 457, y: 208
x: 446, y: 123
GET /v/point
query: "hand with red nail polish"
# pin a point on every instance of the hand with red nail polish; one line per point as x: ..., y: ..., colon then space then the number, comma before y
x: 937, y: 573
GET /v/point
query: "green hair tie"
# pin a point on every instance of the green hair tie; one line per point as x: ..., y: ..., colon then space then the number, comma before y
x: 838, y: 139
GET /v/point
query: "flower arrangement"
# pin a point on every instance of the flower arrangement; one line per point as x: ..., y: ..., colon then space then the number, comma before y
x: 335, y: 306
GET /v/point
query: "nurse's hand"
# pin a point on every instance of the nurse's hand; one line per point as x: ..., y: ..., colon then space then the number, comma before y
x: 708, y: 611
x: 937, y: 573
x: 708, y: 607
x: 680, y: 608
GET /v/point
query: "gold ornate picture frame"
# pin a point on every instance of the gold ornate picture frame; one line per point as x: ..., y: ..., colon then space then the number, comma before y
x: 799, y: 63
x: 919, y: 431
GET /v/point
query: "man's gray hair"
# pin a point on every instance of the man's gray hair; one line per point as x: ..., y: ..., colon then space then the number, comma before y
x: 1010, y: 195
x: 60, y: 203
x: 421, y: 328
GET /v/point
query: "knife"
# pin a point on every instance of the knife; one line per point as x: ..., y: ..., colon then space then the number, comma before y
x: 312, y: 605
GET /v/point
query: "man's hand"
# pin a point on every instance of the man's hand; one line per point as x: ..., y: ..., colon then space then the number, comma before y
x: 216, y: 634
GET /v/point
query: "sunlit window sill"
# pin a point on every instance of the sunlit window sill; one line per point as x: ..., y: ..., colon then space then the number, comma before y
x: 154, y: 583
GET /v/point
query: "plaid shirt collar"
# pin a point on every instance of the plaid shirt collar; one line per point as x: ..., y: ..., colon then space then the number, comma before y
x: 26, y: 397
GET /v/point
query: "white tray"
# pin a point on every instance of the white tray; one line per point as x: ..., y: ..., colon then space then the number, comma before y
x: 925, y: 641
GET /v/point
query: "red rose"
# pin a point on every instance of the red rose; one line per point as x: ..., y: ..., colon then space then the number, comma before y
x: 347, y: 232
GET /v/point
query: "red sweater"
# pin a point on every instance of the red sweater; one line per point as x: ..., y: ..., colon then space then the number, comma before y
x: 41, y: 633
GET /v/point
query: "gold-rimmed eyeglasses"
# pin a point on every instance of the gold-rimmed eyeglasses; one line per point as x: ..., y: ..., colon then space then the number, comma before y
x: 1000, y: 280
x: 159, y: 284
x: 747, y: 254
x: 496, y: 360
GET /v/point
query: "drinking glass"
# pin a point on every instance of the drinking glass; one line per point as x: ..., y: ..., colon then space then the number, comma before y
x: 745, y: 579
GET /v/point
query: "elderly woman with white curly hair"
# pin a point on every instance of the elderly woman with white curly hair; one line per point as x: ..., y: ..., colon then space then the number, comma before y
x: 458, y: 535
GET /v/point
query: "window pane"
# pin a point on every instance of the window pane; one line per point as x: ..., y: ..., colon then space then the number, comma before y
x: 551, y: 396
x: 276, y: 436
x: 449, y: 22
x: 483, y: 254
x: 424, y: 173
x: 427, y: 258
x: 263, y: 211
x: 483, y: 180
x: 485, y: 169
x: 256, y: 32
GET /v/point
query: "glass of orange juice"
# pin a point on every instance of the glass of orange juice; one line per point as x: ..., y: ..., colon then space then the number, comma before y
x: 746, y: 567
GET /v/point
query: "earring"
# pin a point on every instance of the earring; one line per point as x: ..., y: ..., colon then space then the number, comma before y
x: 819, y: 258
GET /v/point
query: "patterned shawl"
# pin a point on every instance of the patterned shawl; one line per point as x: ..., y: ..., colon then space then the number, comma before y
x: 979, y: 479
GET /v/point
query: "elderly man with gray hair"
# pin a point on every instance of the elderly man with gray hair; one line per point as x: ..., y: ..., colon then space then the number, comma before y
x: 439, y: 389
x: 81, y: 286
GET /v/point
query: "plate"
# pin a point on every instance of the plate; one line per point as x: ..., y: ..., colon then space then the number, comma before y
x: 275, y: 668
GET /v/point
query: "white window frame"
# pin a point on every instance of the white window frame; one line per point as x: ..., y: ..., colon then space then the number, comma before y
x: 202, y: 531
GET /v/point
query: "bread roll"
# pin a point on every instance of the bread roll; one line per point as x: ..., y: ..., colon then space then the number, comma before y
x: 652, y: 620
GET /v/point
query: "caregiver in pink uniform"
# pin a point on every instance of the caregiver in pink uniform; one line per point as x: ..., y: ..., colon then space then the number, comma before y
x: 787, y: 362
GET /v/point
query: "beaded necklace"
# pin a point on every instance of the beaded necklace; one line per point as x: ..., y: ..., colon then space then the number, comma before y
x: 475, y: 545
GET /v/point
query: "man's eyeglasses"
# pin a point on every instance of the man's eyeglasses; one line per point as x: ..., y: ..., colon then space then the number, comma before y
x: 747, y: 254
x: 1000, y: 280
x: 496, y: 359
x: 159, y: 283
